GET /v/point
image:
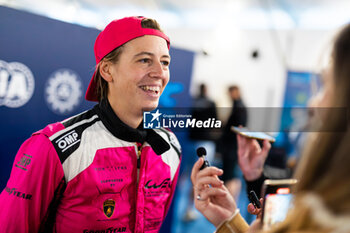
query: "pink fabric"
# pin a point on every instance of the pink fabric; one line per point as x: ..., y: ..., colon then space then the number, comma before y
x: 28, y: 193
x: 138, y: 209
x: 37, y: 172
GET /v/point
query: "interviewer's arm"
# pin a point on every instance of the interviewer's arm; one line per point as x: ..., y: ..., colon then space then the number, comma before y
x: 236, y: 224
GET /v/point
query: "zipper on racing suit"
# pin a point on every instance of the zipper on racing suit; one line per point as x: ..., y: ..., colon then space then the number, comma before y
x: 138, y: 155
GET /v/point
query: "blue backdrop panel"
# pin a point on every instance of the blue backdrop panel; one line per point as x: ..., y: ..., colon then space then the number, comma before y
x: 297, y: 95
x: 45, y: 68
x: 293, y: 118
x: 44, y: 46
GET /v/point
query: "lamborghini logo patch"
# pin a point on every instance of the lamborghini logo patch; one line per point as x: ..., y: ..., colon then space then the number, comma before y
x: 108, y: 207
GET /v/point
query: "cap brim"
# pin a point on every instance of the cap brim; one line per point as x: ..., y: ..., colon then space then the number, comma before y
x: 91, y: 94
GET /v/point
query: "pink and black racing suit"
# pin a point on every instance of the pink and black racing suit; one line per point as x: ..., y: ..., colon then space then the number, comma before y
x: 91, y: 173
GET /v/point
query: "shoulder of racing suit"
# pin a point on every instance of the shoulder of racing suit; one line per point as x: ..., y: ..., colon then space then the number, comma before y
x: 66, y: 136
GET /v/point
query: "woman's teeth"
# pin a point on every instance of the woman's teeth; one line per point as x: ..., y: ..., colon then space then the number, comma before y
x: 150, y: 88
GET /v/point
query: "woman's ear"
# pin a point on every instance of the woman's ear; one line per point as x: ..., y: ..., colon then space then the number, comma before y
x: 105, y: 70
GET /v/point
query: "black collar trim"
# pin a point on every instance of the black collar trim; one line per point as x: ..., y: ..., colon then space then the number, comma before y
x: 120, y: 130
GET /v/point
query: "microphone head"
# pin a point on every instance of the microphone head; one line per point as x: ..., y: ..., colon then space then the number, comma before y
x: 201, y: 151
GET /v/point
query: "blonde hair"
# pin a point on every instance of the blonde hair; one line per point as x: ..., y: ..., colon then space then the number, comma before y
x: 323, y: 171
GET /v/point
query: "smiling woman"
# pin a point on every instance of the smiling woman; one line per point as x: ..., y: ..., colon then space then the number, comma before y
x: 100, y: 170
x: 138, y: 78
x: 113, y: 56
x: 132, y: 68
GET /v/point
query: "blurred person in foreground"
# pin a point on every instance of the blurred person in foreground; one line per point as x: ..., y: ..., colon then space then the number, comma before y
x: 322, y: 195
x: 100, y: 171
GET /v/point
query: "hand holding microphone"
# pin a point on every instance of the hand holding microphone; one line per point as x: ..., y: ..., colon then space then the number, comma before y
x: 211, y: 197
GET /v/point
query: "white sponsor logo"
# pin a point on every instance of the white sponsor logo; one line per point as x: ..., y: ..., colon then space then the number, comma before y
x: 16, y: 84
x: 63, y: 91
x: 68, y: 140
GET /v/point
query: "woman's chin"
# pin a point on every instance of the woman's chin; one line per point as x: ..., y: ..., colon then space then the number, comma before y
x: 150, y: 107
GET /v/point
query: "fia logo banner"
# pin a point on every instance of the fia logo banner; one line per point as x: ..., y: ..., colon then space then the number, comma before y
x: 63, y: 91
x: 16, y: 84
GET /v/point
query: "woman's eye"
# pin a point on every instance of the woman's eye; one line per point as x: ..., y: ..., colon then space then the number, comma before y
x: 145, y: 60
x: 165, y: 63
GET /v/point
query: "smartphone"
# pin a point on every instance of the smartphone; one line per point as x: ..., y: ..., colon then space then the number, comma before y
x: 255, y: 135
x: 278, y: 199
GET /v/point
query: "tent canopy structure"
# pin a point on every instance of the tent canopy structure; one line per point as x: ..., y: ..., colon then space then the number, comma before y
x: 195, y: 13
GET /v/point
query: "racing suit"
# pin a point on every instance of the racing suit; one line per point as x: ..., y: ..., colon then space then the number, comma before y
x: 91, y: 173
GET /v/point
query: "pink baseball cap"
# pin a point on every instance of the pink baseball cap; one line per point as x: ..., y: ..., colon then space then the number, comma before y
x: 117, y: 33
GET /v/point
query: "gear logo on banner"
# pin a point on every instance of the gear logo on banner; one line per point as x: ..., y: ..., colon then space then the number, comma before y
x: 16, y: 84
x: 63, y: 91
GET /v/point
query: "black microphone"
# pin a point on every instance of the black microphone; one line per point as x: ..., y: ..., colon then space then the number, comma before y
x: 253, y: 198
x: 202, y: 152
